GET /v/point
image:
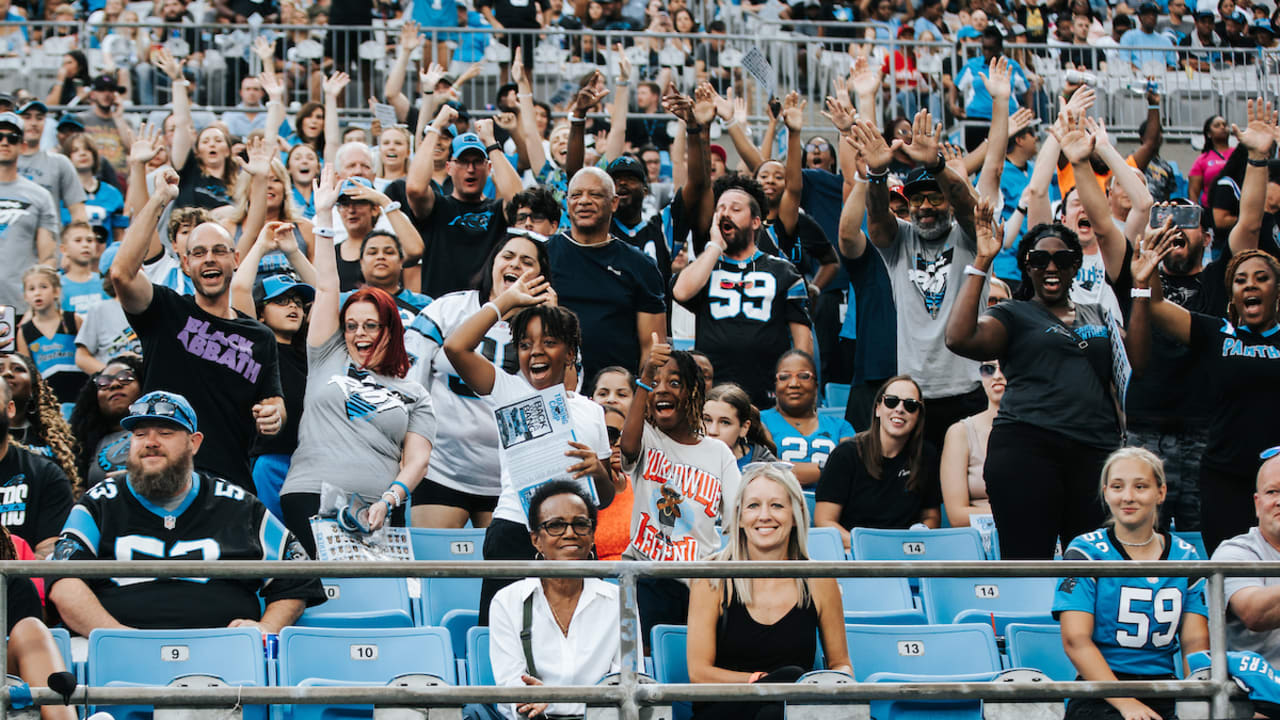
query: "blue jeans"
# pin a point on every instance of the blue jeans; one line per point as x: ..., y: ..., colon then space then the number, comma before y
x: 268, y: 478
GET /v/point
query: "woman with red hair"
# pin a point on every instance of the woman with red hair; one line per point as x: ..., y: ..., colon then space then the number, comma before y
x: 365, y: 428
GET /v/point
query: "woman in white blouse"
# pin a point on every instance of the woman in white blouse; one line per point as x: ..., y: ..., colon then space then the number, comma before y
x: 572, y: 622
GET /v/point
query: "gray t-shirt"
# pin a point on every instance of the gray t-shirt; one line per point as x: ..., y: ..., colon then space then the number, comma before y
x: 926, y: 278
x: 1249, y: 547
x: 24, y: 208
x: 54, y: 173
x: 354, y: 423
x: 106, y: 332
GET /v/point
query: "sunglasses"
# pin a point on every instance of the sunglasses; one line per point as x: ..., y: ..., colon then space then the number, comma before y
x: 287, y: 300
x: 13, y: 138
x: 1039, y: 259
x: 911, y: 406
x: 987, y: 370
x: 124, y: 377
x: 160, y: 408
x: 556, y: 528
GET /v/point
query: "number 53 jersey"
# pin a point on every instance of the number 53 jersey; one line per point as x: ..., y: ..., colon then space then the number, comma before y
x: 1135, y: 620
x: 744, y: 315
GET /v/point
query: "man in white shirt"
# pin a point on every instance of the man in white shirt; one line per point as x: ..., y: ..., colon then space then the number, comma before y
x: 1253, y: 603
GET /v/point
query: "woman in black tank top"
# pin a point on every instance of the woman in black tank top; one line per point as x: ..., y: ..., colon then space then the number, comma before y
x: 763, y: 630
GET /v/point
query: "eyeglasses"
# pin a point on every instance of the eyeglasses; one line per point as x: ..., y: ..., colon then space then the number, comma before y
x: 802, y: 376
x: 287, y: 300
x: 1039, y: 259
x: 817, y: 145
x: 936, y: 199
x: 556, y: 528
x: 527, y: 216
x: 988, y: 369
x: 218, y: 251
x: 911, y: 406
x: 370, y: 327
x: 104, y: 381
x: 161, y: 408
x: 13, y: 138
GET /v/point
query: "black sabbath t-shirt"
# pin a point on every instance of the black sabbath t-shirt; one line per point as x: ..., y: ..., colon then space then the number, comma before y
x: 222, y: 367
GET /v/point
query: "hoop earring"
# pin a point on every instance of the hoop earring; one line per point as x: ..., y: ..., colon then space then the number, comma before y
x: 539, y: 556
x: 592, y: 555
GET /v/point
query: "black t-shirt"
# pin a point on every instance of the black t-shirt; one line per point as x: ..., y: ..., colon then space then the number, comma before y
x: 648, y: 238
x: 350, y: 276
x: 293, y: 380
x: 744, y: 315
x: 35, y: 495
x: 641, y: 132
x: 606, y: 285
x: 875, y: 354
x: 1225, y: 196
x: 222, y: 367
x: 808, y: 250
x: 24, y: 602
x: 216, y: 521
x: 195, y: 189
x: 458, y: 237
x: 882, y: 502
x: 1059, y: 376
x: 515, y: 13
x: 1243, y: 371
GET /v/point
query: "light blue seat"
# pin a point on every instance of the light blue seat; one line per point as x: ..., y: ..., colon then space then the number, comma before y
x: 1195, y: 539
x: 811, y: 502
x: 156, y: 657
x: 447, y: 543
x: 62, y: 638
x: 669, y: 646
x: 685, y: 344
x: 836, y: 394
x: 927, y: 709
x: 441, y: 595
x: 825, y: 544
x: 921, y: 649
x: 317, y: 657
x: 361, y: 603
x: 836, y: 413
x: 907, y: 545
x: 1039, y: 647
x: 992, y: 601
x: 479, y: 670
x: 459, y: 623
x: 879, y: 601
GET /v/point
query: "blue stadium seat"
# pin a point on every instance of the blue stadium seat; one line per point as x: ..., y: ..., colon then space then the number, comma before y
x: 156, y: 657
x: 811, y: 501
x: 441, y: 595
x: 669, y: 646
x: 459, y: 623
x: 927, y: 709
x: 992, y: 601
x: 479, y: 671
x: 879, y: 601
x: 825, y: 544
x: 361, y: 603
x: 312, y: 657
x: 447, y: 543
x: 832, y: 412
x: 941, y: 544
x: 1195, y: 539
x: 836, y: 394
x: 1039, y: 647
x: 921, y: 649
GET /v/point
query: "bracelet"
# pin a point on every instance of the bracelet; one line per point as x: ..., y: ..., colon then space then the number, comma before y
x: 621, y: 82
x: 872, y: 175
x: 493, y: 306
x: 401, y: 485
x: 577, y: 120
x: 1140, y: 293
x: 861, y: 179
x: 640, y: 384
x: 524, y: 95
x: 1258, y: 163
x: 971, y: 270
x: 394, y: 502
x: 428, y: 92
x: 880, y: 179
x: 324, y: 233
x: 694, y: 129
x: 1022, y: 210
x: 732, y: 121
x: 1153, y: 107
x: 391, y: 207
x: 491, y: 148
x: 430, y: 129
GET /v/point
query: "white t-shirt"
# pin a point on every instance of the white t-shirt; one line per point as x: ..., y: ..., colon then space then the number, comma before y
x: 1091, y: 286
x: 588, y: 425
x: 680, y: 492
x: 1249, y: 547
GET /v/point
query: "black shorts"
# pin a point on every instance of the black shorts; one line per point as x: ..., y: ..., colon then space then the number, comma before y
x: 429, y: 492
x: 1099, y: 709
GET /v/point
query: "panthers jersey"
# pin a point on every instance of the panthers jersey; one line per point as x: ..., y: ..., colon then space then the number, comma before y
x: 1135, y: 620
x: 217, y: 520
x: 465, y: 456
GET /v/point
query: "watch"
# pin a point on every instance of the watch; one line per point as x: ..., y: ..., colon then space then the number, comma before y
x: 491, y: 148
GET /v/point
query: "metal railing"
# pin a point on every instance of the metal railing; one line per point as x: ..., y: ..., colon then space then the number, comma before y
x: 629, y: 695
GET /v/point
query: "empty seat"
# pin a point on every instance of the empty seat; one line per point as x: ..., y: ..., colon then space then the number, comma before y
x: 993, y: 601
x: 479, y: 670
x: 811, y: 502
x: 156, y: 657
x: 1038, y: 647
x: 669, y: 646
x: 441, y: 595
x: 921, y: 649
x: 312, y: 657
x: 879, y: 601
x: 459, y: 623
x: 962, y: 543
x: 361, y: 603
x: 447, y: 543
x: 825, y: 544
x: 836, y: 394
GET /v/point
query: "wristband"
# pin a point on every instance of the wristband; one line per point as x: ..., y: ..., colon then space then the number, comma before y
x: 524, y: 95
x: 493, y: 306
x: 1153, y: 107
x: 491, y: 148
x: 1258, y: 163
x: 1022, y: 210
x: 402, y: 486
x: 640, y: 384
x: 880, y: 179
x: 327, y: 233
x: 694, y: 128
x: 577, y: 120
x: 1140, y: 293
x: 392, y: 503
x: 971, y: 270
x: 391, y: 207
x: 621, y: 82
x: 430, y: 129
x: 428, y: 92
x: 935, y: 169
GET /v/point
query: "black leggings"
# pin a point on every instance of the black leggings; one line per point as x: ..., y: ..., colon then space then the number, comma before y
x: 298, y: 508
x: 1099, y: 709
x: 503, y: 540
x: 1226, y: 506
x: 1043, y: 487
x: 750, y: 710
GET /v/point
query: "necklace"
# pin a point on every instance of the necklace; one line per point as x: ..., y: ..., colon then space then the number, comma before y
x: 1144, y: 543
x: 564, y: 626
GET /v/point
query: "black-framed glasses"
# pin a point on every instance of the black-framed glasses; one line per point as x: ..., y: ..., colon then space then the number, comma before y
x: 988, y: 369
x: 908, y: 404
x: 369, y: 326
x: 936, y: 199
x: 13, y: 138
x: 104, y: 381
x: 556, y: 528
x: 802, y: 376
x: 530, y: 216
x: 218, y: 251
x: 1039, y: 259
x: 287, y: 300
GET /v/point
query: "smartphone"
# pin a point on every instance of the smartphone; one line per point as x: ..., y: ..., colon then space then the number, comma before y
x: 1184, y: 216
x: 775, y: 107
x: 8, y: 325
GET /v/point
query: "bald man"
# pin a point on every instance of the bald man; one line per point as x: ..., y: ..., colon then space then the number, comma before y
x: 226, y: 364
x: 1253, y: 603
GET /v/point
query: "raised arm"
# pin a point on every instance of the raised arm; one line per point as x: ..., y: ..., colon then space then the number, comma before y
x: 1150, y: 141
x: 393, y: 90
x: 727, y: 108
x: 258, y: 168
x: 1035, y: 198
x: 1259, y: 138
x: 967, y: 334
x: 925, y: 149
x: 417, y: 184
x: 882, y: 226
x: 333, y: 87
x: 184, y: 130
x: 789, y: 204
x: 149, y: 142
x: 506, y: 180
x: 853, y: 242
x: 273, y: 85
x: 696, y: 113
x: 537, y: 157
x: 694, y: 278
x: 630, y: 443
x: 1152, y: 248
x: 247, y: 272
x: 475, y: 369
x: 1078, y: 139
x: 999, y: 82
x: 1134, y: 184
x: 590, y: 95
x: 618, y: 108
x: 324, y: 310
x: 133, y: 289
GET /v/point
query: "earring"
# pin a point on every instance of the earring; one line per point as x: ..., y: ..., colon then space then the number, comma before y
x: 592, y: 555
x: 539, y: 556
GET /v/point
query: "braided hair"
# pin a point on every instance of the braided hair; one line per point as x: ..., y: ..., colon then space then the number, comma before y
x: 690, y: 375
x: 46, y: 426
x: 1233, y: 315
x: 1028, y: 243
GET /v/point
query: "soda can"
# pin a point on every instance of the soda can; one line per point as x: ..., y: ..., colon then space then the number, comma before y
x: 270, y: 645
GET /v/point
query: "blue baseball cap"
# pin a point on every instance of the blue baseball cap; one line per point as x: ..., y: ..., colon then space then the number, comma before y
x: 967, y: 33
x: 33, y: 105
x: 350, y: 184
x: 1237, y: 16
x: 468, y: 141
x: 163, y: 406
x: 1264, y: 25
x: 71, y: 121
x: 271, y: 287
x: 108, y: 256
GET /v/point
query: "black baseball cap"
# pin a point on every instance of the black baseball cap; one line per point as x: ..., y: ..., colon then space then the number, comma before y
x: 1148, y: 7
x: 919, y: 180
x: 33, y: 105
x: 106, y: 82
x: 627, y: 165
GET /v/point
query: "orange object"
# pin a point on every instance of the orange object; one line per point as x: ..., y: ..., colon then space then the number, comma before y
x: 613, y: 525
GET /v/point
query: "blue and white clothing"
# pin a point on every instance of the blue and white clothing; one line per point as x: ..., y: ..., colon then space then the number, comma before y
x: 1135, y: 620
x: 1148, y: 59
x: 977, y: 101
x: 105, y: 208
x: 794, y: 447
x: 80, y: 295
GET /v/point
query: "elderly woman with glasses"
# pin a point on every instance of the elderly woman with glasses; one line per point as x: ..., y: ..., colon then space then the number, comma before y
x: 803, y: 437
x: 555, y: 631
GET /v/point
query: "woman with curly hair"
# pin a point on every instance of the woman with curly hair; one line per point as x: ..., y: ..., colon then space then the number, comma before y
x: 37, y: 494
x: 37, y: 423
x: 681, y: 479
x: 95, y: 419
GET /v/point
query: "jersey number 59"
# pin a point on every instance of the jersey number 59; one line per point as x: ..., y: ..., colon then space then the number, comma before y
x: 750, y: 294
x: 1166, y: 608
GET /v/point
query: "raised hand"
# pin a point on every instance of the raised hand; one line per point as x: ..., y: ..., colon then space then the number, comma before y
x: 589, y: 96
x: 1259, y: 135
x: 953, y: 155
x: 1081, y: 100
x: 166, y: 187
x: 335, y: 84
x: 265, y: 50
x: 166, y: 63
x: 624, y: 63
x: 1155, y: 244
x: 472, y: 70
x: 529, y: 290
x: 717, y: 238
x: 840, y: 113
x: 1021, y: 120
x: 793, y: 111
x: 410, y: 37
x: 989, y: 235
x: 484, y: 128
x: 444, y: 118
x: 518, y: 75
x: 271, y: 235
x: 260, y: 155
x: 998, y: 79
x: 677, y: 104
x: 431, y: 77
x: 871, y: 146
x: 704, y: 105
x: 1099, y: 131
x: 147, y: 143
x: 724, y: 105
x: 842, y: 90
x: 865, y: 79
x: 739, y: 108
x: 1073, y: 137
x: 926, y: 140
x: 273, y: 85
x: 368, y: 194
x: 324, y: 191
x: 508, y: 121
x: 659, y: 354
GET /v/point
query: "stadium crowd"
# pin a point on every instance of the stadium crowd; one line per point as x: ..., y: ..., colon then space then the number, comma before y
x: 218, y: 323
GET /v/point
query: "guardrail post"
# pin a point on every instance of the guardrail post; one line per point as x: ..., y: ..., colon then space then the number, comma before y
x: 1221, y: 701
x: 4, y: 646
x: 630, y: 642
